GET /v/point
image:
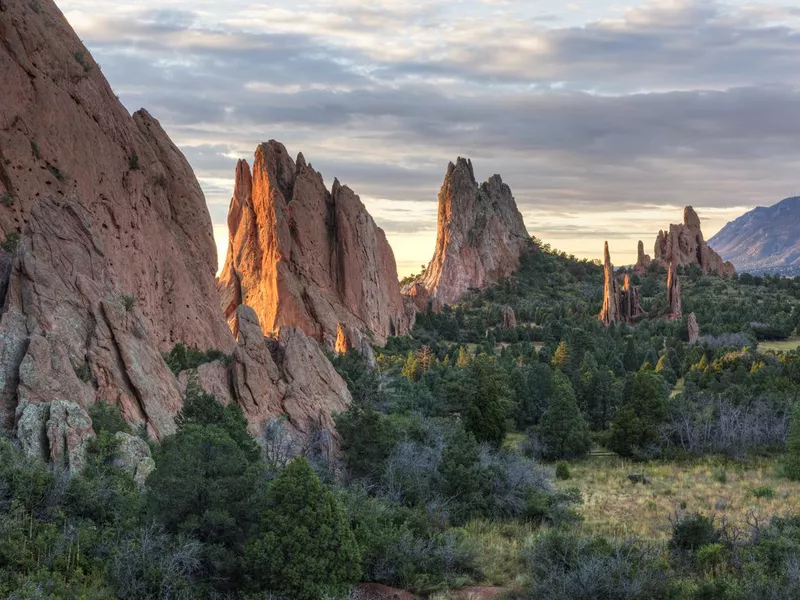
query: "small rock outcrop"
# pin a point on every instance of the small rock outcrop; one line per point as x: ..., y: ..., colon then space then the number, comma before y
x: 306, y: 257
x: 620, y: 304
x: 57, y: 432
x: 683, y: 245
x: 509, y: 318
x: 133, y: 456
x: 694, y: 329
x: 481, y: 237
x: 642, y: 260
x: 674, y: 298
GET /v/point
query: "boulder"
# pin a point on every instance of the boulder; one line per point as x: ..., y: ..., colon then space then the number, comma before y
x: 480, y: 239
x: 58, y: 432
x: 305, y: 257
x: 133, y: 456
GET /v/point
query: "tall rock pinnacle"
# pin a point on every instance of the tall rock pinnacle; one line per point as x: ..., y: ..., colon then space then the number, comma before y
x: 306, y: 257
x: 610, y: 313
x: 674, y: 298
x: 684, y: 245
x: 481, y: 236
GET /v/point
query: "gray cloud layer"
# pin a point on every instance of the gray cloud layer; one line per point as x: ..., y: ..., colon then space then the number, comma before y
x: 674, y: 102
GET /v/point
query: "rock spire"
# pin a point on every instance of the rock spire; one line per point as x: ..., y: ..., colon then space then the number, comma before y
x: 306, y: 257
x: 481, y: 237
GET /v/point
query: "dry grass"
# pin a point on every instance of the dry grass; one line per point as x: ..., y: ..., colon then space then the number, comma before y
x: 615, y: 506
x: 784, y: 346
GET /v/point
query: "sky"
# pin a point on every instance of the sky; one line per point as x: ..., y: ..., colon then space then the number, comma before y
x: 605, y: 118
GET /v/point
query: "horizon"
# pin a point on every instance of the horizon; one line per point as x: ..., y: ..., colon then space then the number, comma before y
x: 604, y: 120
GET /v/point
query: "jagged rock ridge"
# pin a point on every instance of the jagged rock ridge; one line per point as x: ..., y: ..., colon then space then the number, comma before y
x: 683, y: 245
x: 306, y: 257
x: 108, y: 255
x: 481, y: 236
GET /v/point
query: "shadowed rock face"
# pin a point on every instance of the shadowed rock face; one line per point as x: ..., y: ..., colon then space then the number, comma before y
x: 684, y: 245
x: 481, y: 236
x: 116, y: 258
x: 305, y: 257
x: 674, y: 298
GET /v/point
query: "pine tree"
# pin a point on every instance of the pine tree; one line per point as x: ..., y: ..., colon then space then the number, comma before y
x: 489, y: 404
x: 463, y: 358
x: 563, y: 429
x: 306, y: 550
x: 635, y: 426
x: 791, y: 460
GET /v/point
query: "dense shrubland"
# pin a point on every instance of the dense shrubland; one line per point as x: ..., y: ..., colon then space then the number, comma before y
x: 445, y: 470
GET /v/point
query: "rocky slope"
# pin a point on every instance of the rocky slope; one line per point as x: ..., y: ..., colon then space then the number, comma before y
x: 108, y: 257
x: 683, y: 245
x: 480, y: 238
x: 306, y: 257
x: 764, y: 240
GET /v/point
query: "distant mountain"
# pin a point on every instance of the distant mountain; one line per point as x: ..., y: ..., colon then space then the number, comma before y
x: 764, y: 240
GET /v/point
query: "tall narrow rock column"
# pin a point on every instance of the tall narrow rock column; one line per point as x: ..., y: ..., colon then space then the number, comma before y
x: 610, y: 312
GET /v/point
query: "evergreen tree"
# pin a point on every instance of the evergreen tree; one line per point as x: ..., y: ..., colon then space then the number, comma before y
x: 635, y: 426
x: 563, y: 429
x: 306, y: 549
x: 791, y: 460
x: 631, y: 357
x: 489, y: 404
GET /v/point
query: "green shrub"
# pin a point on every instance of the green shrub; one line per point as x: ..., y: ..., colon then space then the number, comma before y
x: 691, y: 532
x: 11, y: 242
x: 306, y: 549
x: 35, y: 149
x: 128, y: 301
x: 107, y: 417
x: 562, y: 471
x: 7, y: 200
x: 55, y: 171
x: 133, y: 162
x: 181, y: 358
x: 80, y: 58
x: 763, y: 491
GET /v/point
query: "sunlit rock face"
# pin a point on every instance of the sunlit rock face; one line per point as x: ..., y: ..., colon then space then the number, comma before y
x: 683, y: 245
x: 620, y: 304
x: 109, y: 257
x: 306, y: 257
x: 481, y: 237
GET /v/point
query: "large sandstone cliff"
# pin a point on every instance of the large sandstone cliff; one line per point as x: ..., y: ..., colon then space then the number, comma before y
x: 108, y: 257
x: 684, y: 245
x: 306, y: 257
x: 481, y: 236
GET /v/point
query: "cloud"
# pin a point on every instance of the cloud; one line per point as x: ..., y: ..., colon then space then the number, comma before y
x: 666, y: 103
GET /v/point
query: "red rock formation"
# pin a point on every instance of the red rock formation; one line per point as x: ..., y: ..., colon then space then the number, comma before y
x: 115, y: 258
x: 305, y: 257
x: 619, y: 305
x: 642, y: 261
x: 694, y: 328
x: 610, y: 312
x: 674, y: 298
x: 481, y: 236
x: 509, y: 318
x: 684, y: 245
x: 111, y: 261
x: 630, y: 308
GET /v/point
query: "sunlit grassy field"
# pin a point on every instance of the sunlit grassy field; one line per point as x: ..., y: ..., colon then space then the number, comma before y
x: 614, y: 505
x: 783, y: 346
